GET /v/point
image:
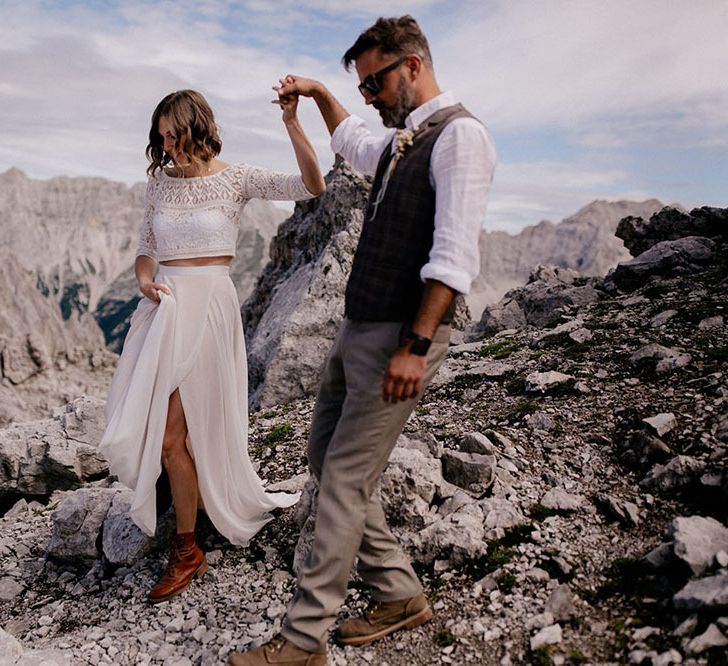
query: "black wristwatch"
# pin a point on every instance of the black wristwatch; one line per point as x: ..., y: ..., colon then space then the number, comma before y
x: 420, y: 344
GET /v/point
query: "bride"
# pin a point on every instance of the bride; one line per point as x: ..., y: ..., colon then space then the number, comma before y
x: 179, y: 395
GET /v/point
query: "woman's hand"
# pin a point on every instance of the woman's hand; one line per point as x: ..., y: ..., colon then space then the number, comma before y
x: 151, y: 290
x: 288, y: 103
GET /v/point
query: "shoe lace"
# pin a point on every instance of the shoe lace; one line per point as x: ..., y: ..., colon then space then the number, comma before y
x: 371, y: 610
x: 276, y: 643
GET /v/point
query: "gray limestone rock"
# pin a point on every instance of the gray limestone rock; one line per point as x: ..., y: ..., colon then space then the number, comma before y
x: 560, y: 500
x: 623, y: 511
x: 540, y: 421
x: 667, y: 359
x: 540, y: 303
x: 697, y: 540
x: 464, y: 469
x: 661, y: 424
x: 294, y: 312
x: 561, y: 603
x: 123, y: 543
x: 475, y: 442
x: 548, y: 382
x: 501, y: 515
x: 669, y: 224
x: 77, y: 525
x: 712, y: 637
x: 550, y: 635
x: 703, y: 593
x: 665, y: 259
x: 58, y: 453
x: 681, y: 472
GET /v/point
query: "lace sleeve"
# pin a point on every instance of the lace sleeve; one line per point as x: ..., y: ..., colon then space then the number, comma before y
x: 261, y: 183
x: 147, y: 241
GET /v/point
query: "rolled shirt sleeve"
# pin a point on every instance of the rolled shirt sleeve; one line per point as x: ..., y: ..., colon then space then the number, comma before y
x: 461, y: 172
x: 357, y: 145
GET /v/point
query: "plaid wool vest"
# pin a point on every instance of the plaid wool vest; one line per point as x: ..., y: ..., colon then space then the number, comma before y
x: 397, y: 235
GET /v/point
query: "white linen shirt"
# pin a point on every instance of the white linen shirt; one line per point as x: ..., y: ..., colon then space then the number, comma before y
x: 461, y: 172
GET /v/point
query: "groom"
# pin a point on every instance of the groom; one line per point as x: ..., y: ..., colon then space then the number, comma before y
x: 418, y: 249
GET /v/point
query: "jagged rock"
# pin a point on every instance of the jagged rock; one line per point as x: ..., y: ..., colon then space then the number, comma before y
x: 641, y: 449
x: 500, y: 516
x: 665, y: 259
x: 548, y: 382
x: 584, y: 241
x: 661, y: 424
x: 559, y: 500
x: 704, y: 593
x: 77, y: 525
x: 670, y: 224
x: 667, y: 359
x: 660, y: 557
x: 458, y: 537
x: 625, y: 512
x: 293, y: 314
x: 10, y: 647
x: 540, y: 303
x: 561, y: 603
x: 540, y: 421
x: 123, y: 543
x: 547, y: 636
x: 712, y: 637
x: 36, y: 343
x: 9, y: 588
x: 697, y: 541
x: 661, y: 319
x: 475, y: 442
x: 711, y: 322
x: 464, y: 469
x: 408, y: 487
x: 680, y: 473
x: 54, y: 454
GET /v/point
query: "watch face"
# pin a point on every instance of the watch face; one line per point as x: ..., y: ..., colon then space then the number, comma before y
x: 420, y: 346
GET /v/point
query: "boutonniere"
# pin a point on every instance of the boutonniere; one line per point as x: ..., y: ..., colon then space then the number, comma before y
x: 402, y: 139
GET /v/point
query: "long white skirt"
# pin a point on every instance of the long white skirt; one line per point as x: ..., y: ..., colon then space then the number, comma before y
x: 192, y: 341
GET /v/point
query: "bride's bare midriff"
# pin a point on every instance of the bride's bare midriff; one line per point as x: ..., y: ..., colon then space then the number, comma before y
x: 199, y: 261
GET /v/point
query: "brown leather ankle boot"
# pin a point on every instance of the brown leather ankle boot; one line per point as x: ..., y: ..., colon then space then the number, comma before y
x: 185, y: 562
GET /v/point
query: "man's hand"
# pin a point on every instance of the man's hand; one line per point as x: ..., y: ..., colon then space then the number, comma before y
x: 404, y: 376
x: 288, y: 103
x: 298, y: 85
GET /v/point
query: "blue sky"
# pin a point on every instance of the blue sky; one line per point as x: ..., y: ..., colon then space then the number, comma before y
x: 586, y: 99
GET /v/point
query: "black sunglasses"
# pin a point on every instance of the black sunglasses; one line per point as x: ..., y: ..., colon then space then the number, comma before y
x: 371, y: 85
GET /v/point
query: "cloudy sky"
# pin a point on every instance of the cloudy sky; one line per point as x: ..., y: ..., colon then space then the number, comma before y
x: 586, y: 99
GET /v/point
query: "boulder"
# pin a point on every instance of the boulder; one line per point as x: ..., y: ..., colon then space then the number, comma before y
x: 466, y: 469
x: 53, y: 454
x: 548, y: 382
x: 665, y: 259
x: 706, y: 593
x: 77, y: 525
x: 697, y: 541
x: 670, y: 224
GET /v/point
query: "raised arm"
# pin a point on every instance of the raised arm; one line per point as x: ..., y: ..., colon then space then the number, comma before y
x: 305, y: 154
x: 331, y: 110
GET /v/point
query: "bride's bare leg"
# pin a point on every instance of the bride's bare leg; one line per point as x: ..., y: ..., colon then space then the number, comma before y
x: 180, y: 466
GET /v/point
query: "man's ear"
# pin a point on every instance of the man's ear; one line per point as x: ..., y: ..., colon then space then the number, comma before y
x: 414, y: 66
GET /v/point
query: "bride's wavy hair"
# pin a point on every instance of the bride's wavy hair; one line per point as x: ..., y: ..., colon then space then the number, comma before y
x: 191, y: 118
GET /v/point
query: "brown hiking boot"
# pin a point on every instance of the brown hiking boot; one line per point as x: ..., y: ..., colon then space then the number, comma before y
x: 280, y: 652
x: 185, y: 562
x: 382, y: 618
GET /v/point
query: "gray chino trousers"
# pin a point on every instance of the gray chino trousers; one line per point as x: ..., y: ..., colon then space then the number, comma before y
x: 353, y: 432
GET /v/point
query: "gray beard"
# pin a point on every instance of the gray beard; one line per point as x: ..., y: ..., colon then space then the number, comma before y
x: 394, y: 116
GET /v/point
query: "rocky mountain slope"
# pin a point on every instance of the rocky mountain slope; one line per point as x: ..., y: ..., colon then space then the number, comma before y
x: 584, y: 242
x: 562, y: 488
x: 44, y: 360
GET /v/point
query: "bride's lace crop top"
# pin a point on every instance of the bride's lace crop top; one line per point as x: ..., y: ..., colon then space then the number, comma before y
x: 198, y: 217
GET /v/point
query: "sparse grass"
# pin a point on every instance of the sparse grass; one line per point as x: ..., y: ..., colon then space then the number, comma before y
x: 506, y: 582
x: 542, y: 656
x: 278, y: 433
x: 497, y: 350
x: 539, y: 512
x: 444, y: 638
x: 520, y: 409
